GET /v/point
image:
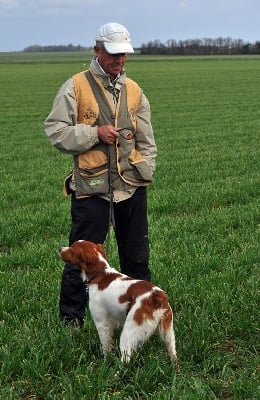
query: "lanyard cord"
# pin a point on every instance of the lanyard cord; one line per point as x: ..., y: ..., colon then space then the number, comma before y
x: 111, y: 206
x: 126, y: 134
x: 111, y: 217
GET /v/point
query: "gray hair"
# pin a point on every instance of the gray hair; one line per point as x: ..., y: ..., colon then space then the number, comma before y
x: 100, y: 45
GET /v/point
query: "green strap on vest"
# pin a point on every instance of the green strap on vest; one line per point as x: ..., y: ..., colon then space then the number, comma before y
x: 106, y: 116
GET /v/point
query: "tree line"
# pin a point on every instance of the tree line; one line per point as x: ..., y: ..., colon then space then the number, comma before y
x: 69, y: 47
x: 205, y: 46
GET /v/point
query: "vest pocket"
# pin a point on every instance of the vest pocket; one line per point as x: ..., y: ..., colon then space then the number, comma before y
x: 91, y: 177
x: 92, y: 159
x: 92, y: 185
x: 141, y: 169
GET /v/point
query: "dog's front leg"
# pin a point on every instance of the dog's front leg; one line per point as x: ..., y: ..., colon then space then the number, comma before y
x: 105, y: 332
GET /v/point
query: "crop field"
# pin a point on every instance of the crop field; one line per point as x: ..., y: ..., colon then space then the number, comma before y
x: 204, y: 234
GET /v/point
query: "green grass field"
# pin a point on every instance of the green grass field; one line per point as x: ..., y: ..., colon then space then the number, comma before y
x: 204, y: 234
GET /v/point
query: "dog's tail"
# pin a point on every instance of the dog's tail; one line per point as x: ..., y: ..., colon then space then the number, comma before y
x: 167, y: 333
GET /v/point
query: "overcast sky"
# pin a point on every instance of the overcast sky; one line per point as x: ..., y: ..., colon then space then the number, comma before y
x: 53, y: 22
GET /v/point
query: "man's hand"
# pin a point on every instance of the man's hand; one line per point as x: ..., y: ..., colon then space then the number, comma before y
x: 108, y: 133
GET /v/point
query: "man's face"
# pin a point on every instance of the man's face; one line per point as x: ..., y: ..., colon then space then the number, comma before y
x: 112, y: 64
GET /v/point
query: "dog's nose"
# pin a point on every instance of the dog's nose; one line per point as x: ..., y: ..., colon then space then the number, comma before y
x: 60, y: 249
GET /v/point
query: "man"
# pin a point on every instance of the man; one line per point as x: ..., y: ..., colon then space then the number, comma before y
x: 102, y: 118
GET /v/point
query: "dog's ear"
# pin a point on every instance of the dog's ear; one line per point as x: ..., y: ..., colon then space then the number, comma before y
x: 89, y: 253
x: 101, y: 250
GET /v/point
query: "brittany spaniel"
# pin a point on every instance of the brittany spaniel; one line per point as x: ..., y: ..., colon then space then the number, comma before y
x: 115, y: 299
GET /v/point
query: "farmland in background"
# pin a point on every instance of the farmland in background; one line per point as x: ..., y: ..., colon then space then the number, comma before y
x: 204, y: 234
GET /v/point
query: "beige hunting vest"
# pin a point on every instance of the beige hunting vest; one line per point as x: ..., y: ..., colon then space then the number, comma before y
x: 105, y: 167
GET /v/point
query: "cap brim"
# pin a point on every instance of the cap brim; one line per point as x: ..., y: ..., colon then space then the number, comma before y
x: 114, y: 48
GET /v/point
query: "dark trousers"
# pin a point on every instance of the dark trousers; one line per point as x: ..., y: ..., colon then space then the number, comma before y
x: 90, y: 221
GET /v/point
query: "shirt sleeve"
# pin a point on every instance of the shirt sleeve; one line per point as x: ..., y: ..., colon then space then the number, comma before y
x: 61, y: 125
x: 145, y: 141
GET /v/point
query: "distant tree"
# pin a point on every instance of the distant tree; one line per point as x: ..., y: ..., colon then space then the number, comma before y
x: 257, y: 47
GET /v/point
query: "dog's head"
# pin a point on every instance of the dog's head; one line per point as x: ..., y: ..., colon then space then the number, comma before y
x: 89, y: 256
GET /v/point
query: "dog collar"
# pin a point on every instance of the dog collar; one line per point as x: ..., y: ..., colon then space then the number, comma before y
x: 88, y: 281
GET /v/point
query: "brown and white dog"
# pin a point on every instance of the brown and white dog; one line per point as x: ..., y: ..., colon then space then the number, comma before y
x: 115, y: 299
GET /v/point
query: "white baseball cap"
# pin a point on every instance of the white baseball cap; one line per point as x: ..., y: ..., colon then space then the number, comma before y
x: 115, y: 38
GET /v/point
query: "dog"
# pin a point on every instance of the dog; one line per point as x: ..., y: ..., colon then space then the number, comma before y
x: 115, y: 299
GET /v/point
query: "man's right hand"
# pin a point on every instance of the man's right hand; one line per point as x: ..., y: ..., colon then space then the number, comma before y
x: 108, y: 133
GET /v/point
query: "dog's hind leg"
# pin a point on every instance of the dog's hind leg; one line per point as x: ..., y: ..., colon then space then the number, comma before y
x: 134, y: 335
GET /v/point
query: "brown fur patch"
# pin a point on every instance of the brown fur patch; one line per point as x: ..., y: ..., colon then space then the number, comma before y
x: 135, y: 290
x: 157, y: 300
x: 167, y: 319
x: 104, y: 280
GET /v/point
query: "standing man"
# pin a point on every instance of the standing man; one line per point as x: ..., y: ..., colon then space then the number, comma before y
x: 102, y: 118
